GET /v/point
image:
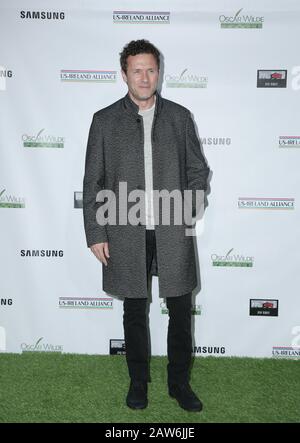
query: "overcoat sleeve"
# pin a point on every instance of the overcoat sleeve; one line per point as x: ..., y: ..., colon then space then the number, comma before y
x: 93, y: 182
x: 197, y: 169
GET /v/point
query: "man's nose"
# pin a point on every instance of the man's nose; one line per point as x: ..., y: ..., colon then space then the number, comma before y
x: 145, y: 77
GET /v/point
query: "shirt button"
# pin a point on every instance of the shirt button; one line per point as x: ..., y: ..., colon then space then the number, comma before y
x: 138, y: 120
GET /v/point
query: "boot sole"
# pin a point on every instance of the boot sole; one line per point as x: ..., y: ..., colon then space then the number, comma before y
x: 137, y: 407
x: 197, y: 409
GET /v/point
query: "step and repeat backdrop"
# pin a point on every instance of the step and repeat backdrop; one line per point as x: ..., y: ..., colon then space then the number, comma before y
x: 236, y: 66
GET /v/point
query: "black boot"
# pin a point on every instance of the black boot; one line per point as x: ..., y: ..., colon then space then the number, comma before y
x: 137, y: 395
x: 186, y: 398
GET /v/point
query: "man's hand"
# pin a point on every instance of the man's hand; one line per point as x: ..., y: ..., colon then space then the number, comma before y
x: 101, y: 251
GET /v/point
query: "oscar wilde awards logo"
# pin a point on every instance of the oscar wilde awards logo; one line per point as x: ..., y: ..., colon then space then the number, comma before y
x: 41, y: 140
x: 10, y: 200
x: 230, y: 260
x: 186, y: 80
x: 239, y: 21
x: 41, y: 347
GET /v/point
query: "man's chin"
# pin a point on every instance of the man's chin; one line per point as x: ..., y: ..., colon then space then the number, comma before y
x: 145, y: 97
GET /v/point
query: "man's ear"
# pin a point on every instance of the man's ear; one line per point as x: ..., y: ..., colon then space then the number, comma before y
x: 124, y: 76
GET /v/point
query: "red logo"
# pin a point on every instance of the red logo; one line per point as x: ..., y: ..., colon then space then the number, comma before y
x: 268, y: 305
x: 276, y: 75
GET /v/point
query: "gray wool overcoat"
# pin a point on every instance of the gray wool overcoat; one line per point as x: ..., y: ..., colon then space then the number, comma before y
x: 115, y: 153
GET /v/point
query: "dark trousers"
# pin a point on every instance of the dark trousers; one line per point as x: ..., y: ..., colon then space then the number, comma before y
x: 179, y: 339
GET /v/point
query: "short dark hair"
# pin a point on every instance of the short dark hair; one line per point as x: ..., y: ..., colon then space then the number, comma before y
x: 138, y: 47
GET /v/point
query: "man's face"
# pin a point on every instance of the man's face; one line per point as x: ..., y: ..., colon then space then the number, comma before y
x: 142, y: 76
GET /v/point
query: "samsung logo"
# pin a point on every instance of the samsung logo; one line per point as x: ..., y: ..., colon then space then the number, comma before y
x: 41, y: 253
x: 6, y: 301
x: 42, y: 15
x: 5, y: 73
x: 216, y: 141
x: 209, y: 350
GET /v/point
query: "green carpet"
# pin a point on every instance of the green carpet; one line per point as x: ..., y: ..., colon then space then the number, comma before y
x: 47, y: 387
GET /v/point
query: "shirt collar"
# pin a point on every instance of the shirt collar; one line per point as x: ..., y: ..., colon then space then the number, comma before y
x: 131, y: 106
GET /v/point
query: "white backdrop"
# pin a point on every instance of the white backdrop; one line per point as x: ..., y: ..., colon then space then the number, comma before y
x: 59, y: 63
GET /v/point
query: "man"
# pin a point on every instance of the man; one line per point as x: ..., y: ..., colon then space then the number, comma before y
x: 149, y: 143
